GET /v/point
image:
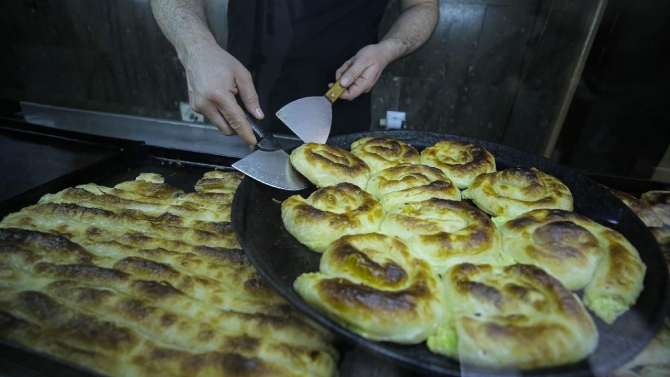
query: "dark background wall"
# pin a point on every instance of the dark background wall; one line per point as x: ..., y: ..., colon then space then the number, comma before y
x: 619, y: 121
x: 499, y: 70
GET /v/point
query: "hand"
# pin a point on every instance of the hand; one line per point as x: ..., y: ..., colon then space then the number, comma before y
x: 214, y: 78
x: 360, y: 73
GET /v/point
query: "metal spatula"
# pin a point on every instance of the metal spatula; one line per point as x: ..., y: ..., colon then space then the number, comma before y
x: 310, y: 118
x: 269, y: 164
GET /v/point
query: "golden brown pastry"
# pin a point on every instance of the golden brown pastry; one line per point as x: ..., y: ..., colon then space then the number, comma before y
x: 142, y: 279
x: 641, y: 209
x: 325, y: 165
x: 461, y: 162
x: 515, y: 316
x: 445, y: 232
x: 330, y: 213
x: 371, y: 284
x: 410, y: 183
x: 580, y: 253
x: 659, y: 201
x: 384, y: 152
x: 507, y: 194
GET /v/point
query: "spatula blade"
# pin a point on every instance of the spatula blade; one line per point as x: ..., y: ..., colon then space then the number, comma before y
x: 309, y: 118
x: 273, y: 169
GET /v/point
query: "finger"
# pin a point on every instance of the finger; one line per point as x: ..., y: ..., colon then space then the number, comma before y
x: 352, y: 73
x: 342, y: 69
x: 234, y: 116
x: 214, y: 116
x: 353, y: 91
x: 248, y: 94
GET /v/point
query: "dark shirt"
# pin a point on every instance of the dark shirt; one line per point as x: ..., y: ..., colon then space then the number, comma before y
x: 293, y: 48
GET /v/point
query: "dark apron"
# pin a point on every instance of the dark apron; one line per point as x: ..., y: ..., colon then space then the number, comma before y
x: 293, y: 48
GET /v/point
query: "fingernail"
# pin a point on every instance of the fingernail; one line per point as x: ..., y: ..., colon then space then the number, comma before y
x: 259, y: 112
x: 344, y: 81
x: 252, y: 147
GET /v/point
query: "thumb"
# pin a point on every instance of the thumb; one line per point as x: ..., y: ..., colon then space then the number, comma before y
x: 248, y: 95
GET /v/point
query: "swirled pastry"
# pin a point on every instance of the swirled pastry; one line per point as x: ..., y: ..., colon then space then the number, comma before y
x: 461, y: 162
x: 411, y: 183
x: 143, y: 279
x: 562, y: 243
x: 325, y: 165
x: 330, y: 213
x: 384, y: 152
x: 515, y: 316
x: 580, y: 253
x: 371, y: 284
x: 445, y: 232
x: 641, y: 209
x: 511, y: 192
x: 659, y: 201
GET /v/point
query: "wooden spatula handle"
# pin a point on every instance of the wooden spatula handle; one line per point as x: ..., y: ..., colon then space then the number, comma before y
x: 335, y: 91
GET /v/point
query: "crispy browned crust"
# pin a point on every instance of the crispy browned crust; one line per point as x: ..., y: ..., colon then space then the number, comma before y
x: 411, y: 183
x: 517, y: 316
x: 371, y: 283
x: 581, y: 254
x: 421, y: 226
x: 384, y: 152
x: 461, y: 162
x: 142, y: 279
x: 325, y: 165
x: 514, y: 191
x: 329, y: 213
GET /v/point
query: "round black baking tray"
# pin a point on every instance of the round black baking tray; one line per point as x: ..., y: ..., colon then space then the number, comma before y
x: 280, y: 258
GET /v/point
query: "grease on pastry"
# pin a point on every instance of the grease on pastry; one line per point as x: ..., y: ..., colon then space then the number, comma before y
x: 445, y: 232
x: 330, y: 213
x: 511, y: 192
x: 515, y: 316
x: 659, y: 201
x: 384, y: 152
x: 461, y: 162
x: 411, y: 183
x: 325, y: 165
x: 371, y: 284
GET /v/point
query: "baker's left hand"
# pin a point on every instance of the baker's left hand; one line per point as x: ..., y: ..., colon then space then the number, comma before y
x: 360, y: 73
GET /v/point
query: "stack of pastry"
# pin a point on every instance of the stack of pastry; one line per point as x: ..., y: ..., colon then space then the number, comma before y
x: 397, y: 236
x: 143, y: 279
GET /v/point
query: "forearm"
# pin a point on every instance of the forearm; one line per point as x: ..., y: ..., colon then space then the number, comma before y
x: 412, y: 29
x: 184, y: 24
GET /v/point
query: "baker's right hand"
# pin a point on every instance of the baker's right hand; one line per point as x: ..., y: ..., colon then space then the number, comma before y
x: 214, y: 78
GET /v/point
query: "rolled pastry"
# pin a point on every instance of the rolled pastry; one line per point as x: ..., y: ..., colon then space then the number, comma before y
x: 516, y: 316
x: 581, y: 254
x: 461, y: 162
x: 325, y: 165
x: 371, y: 284
x: 384, y: 152
x: 330, y: 213
x: 410, y: 183
x: 511, y: 192
x: 445, y: 232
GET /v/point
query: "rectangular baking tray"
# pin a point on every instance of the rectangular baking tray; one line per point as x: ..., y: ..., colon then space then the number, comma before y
x: 110, y: 161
